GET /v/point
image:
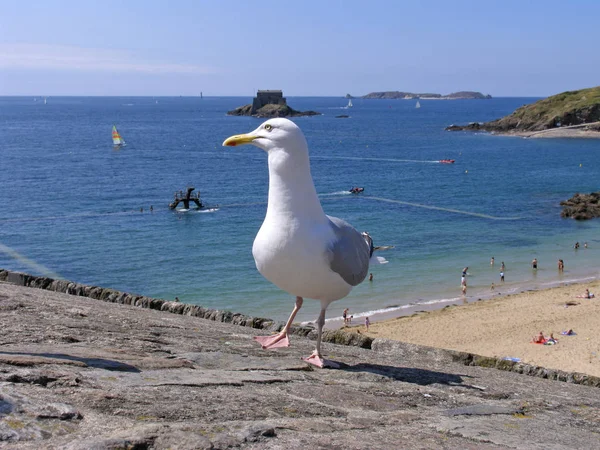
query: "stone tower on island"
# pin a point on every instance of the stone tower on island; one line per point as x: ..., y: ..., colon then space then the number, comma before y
x: 272, y: 97
x: 269, y: 103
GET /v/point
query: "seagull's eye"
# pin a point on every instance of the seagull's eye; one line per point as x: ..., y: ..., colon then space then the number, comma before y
x: 268, y: 127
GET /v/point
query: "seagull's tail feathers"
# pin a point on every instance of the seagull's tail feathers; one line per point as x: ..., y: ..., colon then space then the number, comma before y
x: 377, y: 260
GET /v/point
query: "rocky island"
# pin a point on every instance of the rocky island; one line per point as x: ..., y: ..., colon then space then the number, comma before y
x: 393, y: 95
x: 569, y: 114
x: 582, y: 206
x: 269, y: 104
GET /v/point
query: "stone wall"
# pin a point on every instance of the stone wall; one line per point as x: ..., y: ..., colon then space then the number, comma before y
x: 341, y: 337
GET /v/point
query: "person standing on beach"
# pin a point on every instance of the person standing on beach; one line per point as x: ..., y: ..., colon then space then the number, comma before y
x: 345, y: 316
x: 502, y: 276
x: 367, y: 322
x: 534, y: 263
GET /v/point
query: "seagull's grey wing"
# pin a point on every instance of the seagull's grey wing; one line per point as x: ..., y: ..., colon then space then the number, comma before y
x: 348, y: 253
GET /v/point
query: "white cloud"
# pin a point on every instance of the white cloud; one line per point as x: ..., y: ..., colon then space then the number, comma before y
x: 52, y: 57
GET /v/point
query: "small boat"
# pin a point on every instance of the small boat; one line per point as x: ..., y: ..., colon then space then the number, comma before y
x: 356, y: 190
x: 349, y: 105
x: 418, y: 105
x: 45, y: 101
x: 342, y: 116
x: 447, y: 161
x: 118, y: 141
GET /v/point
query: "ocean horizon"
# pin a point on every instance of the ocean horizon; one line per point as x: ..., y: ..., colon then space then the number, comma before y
x: 76, y: 208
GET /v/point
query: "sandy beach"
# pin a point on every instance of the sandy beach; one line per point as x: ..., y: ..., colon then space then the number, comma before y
x: 504, y: 327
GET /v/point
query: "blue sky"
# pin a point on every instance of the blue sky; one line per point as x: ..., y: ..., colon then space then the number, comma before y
x: 229, y: 47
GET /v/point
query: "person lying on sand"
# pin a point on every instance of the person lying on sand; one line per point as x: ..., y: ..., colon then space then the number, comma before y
x: 569, y: 332
x: 539, y: 339
x: 587, y: 294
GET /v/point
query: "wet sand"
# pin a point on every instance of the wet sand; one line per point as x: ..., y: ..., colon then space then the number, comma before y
x: 504, y: 327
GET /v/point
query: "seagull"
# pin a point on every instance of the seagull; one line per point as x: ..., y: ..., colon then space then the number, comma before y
x: 299, y: 248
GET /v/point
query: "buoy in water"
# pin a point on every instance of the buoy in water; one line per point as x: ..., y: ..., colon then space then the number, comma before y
x: 466, y: 171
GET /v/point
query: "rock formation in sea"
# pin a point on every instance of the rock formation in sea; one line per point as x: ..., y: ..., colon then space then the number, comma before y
x: 569, y: 109
x: 411, y: 95
x: 269, y: 104
x: 582, y: 206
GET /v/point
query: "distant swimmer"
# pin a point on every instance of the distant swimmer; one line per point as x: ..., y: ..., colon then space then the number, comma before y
x: 534, y: 263
x: 370, y: 277
x: 492, y: 261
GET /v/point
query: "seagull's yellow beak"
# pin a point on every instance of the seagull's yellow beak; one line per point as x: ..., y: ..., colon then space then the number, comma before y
x: 239, y: 139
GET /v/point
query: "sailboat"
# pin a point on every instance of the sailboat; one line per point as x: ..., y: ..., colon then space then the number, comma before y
x: 349, y: 103
x: 117, y: 139
x: 418, y: 105
x: 45, y: 100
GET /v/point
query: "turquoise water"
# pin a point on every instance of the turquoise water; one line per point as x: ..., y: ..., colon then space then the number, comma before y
x: 71, y: 203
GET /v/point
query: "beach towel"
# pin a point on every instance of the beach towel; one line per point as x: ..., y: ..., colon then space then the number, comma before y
x: 511, y: 358
x: 551, y: 342
x: 540, y: 342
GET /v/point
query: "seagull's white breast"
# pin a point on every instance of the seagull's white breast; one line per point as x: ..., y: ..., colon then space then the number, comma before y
x: 292, y: 254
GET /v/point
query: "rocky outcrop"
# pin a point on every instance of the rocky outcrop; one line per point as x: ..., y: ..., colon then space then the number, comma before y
x: 411, y: 95
x: 269, y: 103
x: 269, y: 111
x: 82, y: 374
x: 582, y: 206
x: 568, y: 109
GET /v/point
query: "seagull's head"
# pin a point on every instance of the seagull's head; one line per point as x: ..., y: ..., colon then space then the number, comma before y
x: 272, y: 135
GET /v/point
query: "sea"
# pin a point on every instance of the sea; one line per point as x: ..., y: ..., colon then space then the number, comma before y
x: 72, y: 206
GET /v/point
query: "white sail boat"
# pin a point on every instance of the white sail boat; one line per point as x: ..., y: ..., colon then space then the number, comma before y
x: 118, y: 141
x: 418, y: 105
x: 45, y: 100
x: 349, y: 103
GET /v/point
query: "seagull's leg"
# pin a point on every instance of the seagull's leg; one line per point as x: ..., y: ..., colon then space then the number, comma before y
x: 280, y: 339
x: 316, y: 358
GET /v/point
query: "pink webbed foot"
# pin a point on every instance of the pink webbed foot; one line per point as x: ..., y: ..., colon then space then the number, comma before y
x: 274, y: 341
x: 316, y: 360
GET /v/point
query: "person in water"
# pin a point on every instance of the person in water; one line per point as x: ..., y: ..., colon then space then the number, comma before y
x: 534, y: 263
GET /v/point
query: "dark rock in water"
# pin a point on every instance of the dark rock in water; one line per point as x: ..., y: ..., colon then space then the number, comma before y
x: 269, y: 104
x: 349, y: 96
x: 582, y: 206
x: 342, y: 116
x: 268, y: 111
